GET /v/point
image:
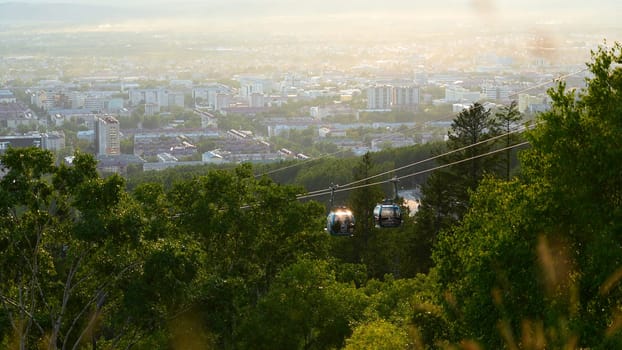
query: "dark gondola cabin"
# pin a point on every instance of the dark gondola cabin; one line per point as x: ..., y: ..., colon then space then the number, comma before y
x: 340, y: 222
x: 387, y: 215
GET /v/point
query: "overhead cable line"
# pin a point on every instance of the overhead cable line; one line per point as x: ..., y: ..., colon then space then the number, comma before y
x: 562, y: 77
x: 325, y: 192
x: 299, y: 163
x: 544, y: 83
x: 521, y: 129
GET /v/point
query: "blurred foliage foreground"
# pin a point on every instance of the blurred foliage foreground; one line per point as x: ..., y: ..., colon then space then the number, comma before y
x: 226, y: 261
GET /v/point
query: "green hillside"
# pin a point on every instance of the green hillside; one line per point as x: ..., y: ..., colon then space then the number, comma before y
x: 502, y: 253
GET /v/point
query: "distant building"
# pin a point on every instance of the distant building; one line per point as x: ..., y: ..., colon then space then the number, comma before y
x: 379, y: 97
x: 142, y: 96
x: 6, y: 96
x: 406, y: 97
x: 176, y: 99
x: 256, y: 100
x: 173, y: 141
x: 496, y: 92
x: 162, y: 98
x: 526, y: 102
x: 394, y: 141
x: 213, y: 157
x: 107, y: 138
x: 186, y: 84
x: 222, y: 101
x: 14, y: 114
x: 335, y: 109
x: 43, y: 99
x: 388, y: 97
x: 457, y: 93
x: 53, y: 141
x: 94, y: 104
x: 213, y: 97
x: 79, y: 116
x: 7, y: 142
x: 117, y: 163
x: 324, y: 132
x: 167, y: 158
x: 87, y: 135
x: 152, y: 109
x: 113, y: 105
x: 250, y: 85
x: 77, y: 99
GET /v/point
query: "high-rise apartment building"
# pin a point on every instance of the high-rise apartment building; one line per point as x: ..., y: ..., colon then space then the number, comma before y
x: 256, y: 100
x: 497, y: 92
x: 107, y: 140
x: 379, y: 97
x: 405, y: 97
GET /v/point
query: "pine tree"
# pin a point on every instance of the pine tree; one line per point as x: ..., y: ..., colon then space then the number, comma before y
x: 507, y: 118
x: 445, y: 194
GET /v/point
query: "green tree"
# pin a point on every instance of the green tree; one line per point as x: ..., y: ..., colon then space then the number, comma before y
x: 305, y: 309
x: 488, y: 267
x: 378, y: 335
x: 469, y: 128
x: 82, y: 263
x: 507, y: 118
x: 248, y: 230
x: 445, y: 195
x: 127, y: 145
x: 362, y: 201
x: 536, y: 261
x: 62, y: 231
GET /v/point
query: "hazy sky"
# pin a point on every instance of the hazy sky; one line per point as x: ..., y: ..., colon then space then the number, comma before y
x: 577, y: 6
x: 428, y: 14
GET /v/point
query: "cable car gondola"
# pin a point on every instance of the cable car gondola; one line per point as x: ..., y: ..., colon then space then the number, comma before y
x: 340, y: 220
x: 388, y: 214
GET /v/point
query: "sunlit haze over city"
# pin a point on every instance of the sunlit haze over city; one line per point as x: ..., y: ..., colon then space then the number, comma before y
x: 446, y: 33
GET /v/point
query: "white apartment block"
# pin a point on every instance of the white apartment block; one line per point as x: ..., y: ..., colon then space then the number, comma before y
x: 525, y: 101
x: 161, y: 97
x: 54, y: 141
x: 379, y: 97
x: 94, y: 104
x: 222, y: 101
x: 406, y: 97
x: 250, y: 85
x: 496, y: 92
x: 43, y: 99
x: 152, y: 108
x: 256, y: 100
x: 214, y: 97
x: 247, y: 90
x: 144, y: 96
x: 77, y: 99
x: 176, y: 99
x: 456, y: 93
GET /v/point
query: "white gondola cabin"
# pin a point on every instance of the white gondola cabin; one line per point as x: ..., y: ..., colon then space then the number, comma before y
x: 388, y: 214
x: 340, y: 222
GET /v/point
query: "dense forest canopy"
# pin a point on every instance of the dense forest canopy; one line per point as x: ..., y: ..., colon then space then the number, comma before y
x: 524, y: 258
